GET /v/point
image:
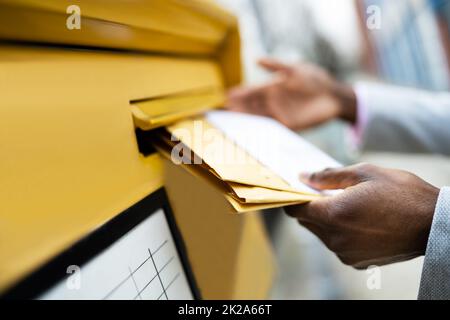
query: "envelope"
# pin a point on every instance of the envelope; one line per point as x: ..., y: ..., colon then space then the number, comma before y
x: 208, y: 154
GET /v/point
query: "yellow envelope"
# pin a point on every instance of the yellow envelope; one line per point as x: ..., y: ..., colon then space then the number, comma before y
x: 250, y: 194
x: 242, y: 197
x: 226, y: 160
x: 156, y: 112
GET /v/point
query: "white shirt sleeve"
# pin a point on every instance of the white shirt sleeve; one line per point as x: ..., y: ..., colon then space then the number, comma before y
x: 404, y: 120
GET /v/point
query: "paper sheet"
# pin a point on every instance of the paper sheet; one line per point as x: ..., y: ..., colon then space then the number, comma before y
x: 275, y: 146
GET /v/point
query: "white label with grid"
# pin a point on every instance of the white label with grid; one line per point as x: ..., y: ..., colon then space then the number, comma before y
x: 142, y: 264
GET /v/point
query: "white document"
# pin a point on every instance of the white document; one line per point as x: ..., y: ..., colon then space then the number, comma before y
x: 272, y: 144
x: 142, y: 265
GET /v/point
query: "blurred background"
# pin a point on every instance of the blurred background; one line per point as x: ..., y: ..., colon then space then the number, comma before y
x: 410, y: 46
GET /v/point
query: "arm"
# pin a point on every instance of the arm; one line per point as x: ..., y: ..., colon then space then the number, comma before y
x: 403, y: 120
x: 383, y: 216
x: 398, y: 119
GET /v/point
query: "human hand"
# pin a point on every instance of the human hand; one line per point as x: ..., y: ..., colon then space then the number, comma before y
x: 300, y: 96
x: 382, y: 216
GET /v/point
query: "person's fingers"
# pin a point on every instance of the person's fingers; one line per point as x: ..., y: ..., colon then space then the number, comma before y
x: 295, y: 210
x: 318, y: 231
x: 246, y: 91
x: 240, y: 99
x: 274, y: 65
x: 339, y: 178
x: 251, y: 99
x: 316, y: 212
x: 240, y: 93
x: 254, y: 104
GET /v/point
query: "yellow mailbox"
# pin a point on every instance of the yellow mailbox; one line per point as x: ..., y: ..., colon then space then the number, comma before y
x: 85, y: 210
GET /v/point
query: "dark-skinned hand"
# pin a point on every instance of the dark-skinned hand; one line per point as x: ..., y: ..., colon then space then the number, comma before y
x: 382, y: 216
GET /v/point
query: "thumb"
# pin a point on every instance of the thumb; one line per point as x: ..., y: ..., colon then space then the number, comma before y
x: 339, y: 178
x: 274, y: 65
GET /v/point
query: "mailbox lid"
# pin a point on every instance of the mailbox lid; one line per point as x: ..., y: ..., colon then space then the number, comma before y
x: 178, y: 26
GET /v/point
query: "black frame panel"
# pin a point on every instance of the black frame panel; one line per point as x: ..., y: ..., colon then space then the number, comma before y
x: 97, y: 241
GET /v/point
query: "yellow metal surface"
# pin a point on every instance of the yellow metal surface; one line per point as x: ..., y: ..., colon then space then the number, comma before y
x: 70, y: 160
x: 194, y: 27
x: 230, y: 254
x: 256, y: 267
